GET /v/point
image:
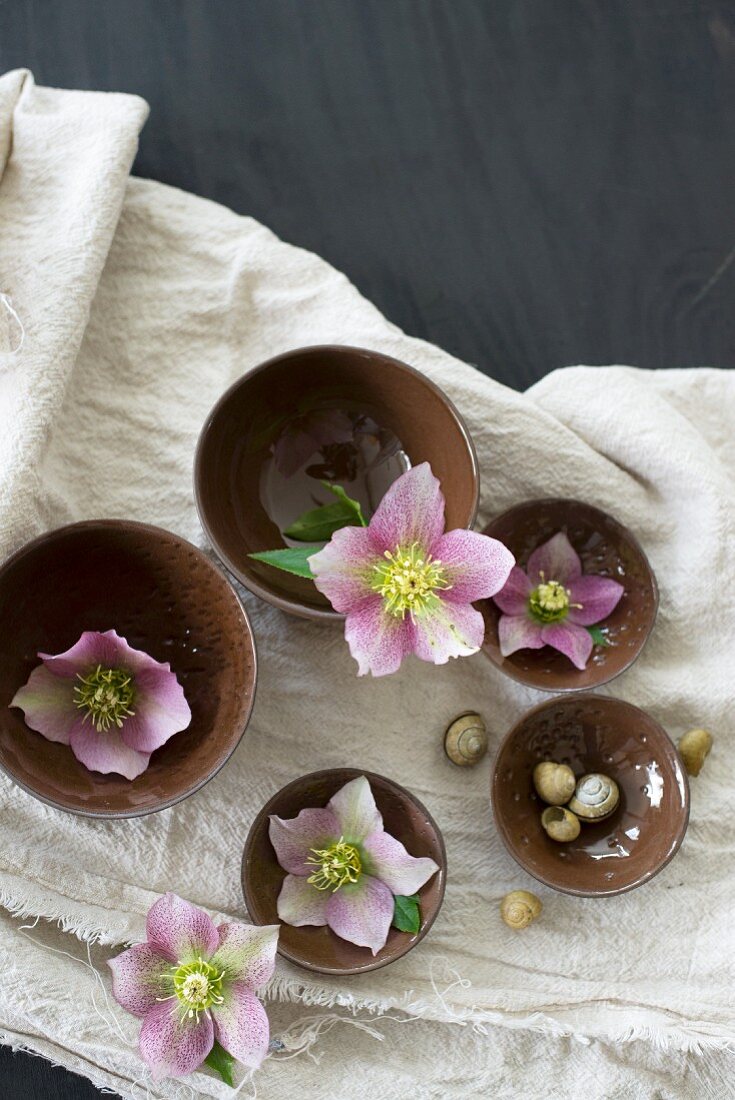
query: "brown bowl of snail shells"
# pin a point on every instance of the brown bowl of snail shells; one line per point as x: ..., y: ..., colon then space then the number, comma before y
x: 590, y: 795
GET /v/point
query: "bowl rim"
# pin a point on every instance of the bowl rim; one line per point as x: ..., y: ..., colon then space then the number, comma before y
x: 268, y: 808
x: 510, y: 670
x: 602, y: 892
x: 284, y: 603
x: 148, y: 528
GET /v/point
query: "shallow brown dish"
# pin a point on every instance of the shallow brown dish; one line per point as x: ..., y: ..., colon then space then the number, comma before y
x: 319, y: 949
x: 165, y: 597
x: 607, y: 548
x: 236, y: 440
x: 593, y: 733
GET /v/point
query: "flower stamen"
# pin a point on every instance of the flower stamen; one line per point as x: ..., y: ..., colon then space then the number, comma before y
x: 408, y: 581
x: 549, y: 601
x: 339, y: 864
x: 106, y: 694
x: 197, y: 986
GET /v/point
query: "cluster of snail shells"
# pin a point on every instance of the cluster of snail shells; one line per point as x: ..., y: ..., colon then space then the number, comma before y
x: 572, y: 801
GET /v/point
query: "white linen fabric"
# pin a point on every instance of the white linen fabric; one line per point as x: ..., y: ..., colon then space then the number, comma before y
x: 140, y: 305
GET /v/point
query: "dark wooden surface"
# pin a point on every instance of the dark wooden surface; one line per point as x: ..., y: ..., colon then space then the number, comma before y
x: 528, y: 184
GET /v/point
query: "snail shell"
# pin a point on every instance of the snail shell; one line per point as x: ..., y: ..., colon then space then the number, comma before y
x: 694, y: 747
x: 519, y: 908
x: 554, y: 782
x: 595, y: 797
x: 560, y: 823
x: 465, y: 741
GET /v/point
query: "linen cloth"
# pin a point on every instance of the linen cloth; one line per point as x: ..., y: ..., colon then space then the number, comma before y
x: 140, y: 305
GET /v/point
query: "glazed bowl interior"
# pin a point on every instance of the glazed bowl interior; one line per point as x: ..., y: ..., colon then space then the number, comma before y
x: 237, y: 441
x: 593, y: 733
x: 605, y: 547
x: 320, y: 949
x: 165, y: 597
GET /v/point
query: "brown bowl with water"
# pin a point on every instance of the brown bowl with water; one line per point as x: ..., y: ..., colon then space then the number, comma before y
x: 318, y: 948
x: 605, y: 547
x: 165, y: 597
x: 323, y: 413
x: 593, y: 733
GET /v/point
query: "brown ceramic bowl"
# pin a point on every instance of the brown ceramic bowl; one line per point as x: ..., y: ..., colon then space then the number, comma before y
x: 593, y: 733
x: 320, y: 949
x: 237, y: 437
x: 606, y: 548
x: 165, y: 597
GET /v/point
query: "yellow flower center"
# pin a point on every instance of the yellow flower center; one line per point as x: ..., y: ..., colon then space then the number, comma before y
x: 106, y: 694
x: 408, y: 580
x: 198, y: 986
x: 549, y: 602
x: 338, y: 865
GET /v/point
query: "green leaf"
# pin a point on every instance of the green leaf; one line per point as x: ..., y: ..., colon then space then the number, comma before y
x: 222, y: 1063
x: 598, y: 636
x: 293, y: 559
x: 342, y: 495
x: 406, y: 913
x: 319, y: 524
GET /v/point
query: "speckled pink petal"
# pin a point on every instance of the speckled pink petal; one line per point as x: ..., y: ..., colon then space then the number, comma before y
x: 246, y: 952
x: 180, y: 931
x: 362, y: 913
x: 172, y: 1043
x: 556, y: 559
x: 378, y: 640
x: 412, y: 511
x: 140, y: 978
x: 387, y: 859
x: 513, y: 597
x: 105, y: 751
x: 475, y: 565
x: 94, y: 648
x: 300, y: 903
x: 294, y: 837
x: 575, y: 642
x: 241, y: 1025
x: 598, y: 597
x: 354, y: 808
x: 448, y: 630
x: 47, y: 702
x: 343, y: 570
x: 518, y: 632
x: 160, y: 709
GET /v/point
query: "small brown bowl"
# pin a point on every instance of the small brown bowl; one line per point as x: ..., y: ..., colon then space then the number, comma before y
x: 606, y: 548
x: 165, y: 597
x: 320, y: 949
x: 236, y: 441
x: 593, y: 733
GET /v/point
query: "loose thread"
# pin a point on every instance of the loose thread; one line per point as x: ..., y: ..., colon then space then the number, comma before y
x: 12, y: 313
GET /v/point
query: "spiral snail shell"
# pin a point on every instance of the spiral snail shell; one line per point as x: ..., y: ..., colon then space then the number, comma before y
x: 465, y: 741
x: 694, y: 747
x: 554, y: 782
x: 595, y: 797
x: 560, y: 824
x: 519, y: 908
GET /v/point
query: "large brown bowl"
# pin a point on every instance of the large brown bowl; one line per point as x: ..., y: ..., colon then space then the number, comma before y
x: 320, y: 949
x: 593, y: 733
x: 165, y: 597
x: 605, y: 547
x: 237, y: 437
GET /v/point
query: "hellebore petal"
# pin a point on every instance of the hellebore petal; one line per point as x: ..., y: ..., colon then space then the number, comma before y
x: 575, y: 642
x: 447, y: 630
x: 362, y: 912
x: 105, y: 751
x: 293, y: 838
x: 342, y: 571
x: 518, y: 632
x: 96, y: 647
x: 378, y: 640
x: 412, y: 511
x: 513, y: 597
x: 556, y: 559
x: 241, y: 1025
x: 140, y: 978
x: 47, y: 702
x: 387, y: 859
x: 476, y: 566
x: 246, y: 953
x: 599, y: 596
x: 299, y: 902
x: 161, y: 709
x: 354, y: 808
x: 172, y: 1043
x: 180, y: 931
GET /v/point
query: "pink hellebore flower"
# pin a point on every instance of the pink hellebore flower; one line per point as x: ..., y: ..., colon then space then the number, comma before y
x: 552, y: 603
x: 113, y: 705
x: 406, y: 586
x: 344, y: 869
x: 192, y: 983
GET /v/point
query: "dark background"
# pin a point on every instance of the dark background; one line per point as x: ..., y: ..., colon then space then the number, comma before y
x: 528, y: 183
